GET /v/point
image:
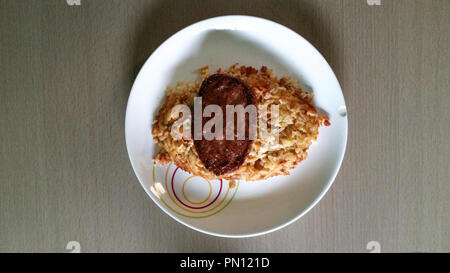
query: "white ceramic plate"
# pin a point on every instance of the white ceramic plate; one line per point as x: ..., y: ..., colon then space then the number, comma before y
x: 249, y: 208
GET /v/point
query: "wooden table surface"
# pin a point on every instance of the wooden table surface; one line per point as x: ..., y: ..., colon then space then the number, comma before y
x: 66, y: 73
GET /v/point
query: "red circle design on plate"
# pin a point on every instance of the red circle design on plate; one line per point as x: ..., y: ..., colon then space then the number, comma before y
x: 174, y: 193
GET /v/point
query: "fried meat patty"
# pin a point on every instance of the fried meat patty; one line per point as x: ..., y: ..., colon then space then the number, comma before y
x: 222, y: 156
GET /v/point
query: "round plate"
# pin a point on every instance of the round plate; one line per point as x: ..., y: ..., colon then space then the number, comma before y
x: 239, y: 209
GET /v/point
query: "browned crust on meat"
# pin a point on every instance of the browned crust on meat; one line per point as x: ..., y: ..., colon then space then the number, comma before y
x: 224, y: 156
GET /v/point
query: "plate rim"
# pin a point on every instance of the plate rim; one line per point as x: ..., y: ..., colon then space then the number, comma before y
x: 239, y: 19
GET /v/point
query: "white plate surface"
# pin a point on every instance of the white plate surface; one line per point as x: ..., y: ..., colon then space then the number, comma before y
x: 249, y: 208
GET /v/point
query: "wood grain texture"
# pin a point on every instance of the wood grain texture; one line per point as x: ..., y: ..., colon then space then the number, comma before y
x: 65, y: 76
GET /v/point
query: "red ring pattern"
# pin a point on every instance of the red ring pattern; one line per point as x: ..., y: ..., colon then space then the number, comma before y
x: 202, y: 207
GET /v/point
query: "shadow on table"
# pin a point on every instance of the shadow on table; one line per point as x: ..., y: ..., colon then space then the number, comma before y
x: 164, y: 18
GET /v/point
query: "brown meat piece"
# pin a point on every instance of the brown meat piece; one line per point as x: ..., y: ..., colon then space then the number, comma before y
x: 224, y: 156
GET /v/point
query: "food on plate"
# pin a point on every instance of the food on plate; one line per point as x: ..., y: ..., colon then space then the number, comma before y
x: 287, y: 124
